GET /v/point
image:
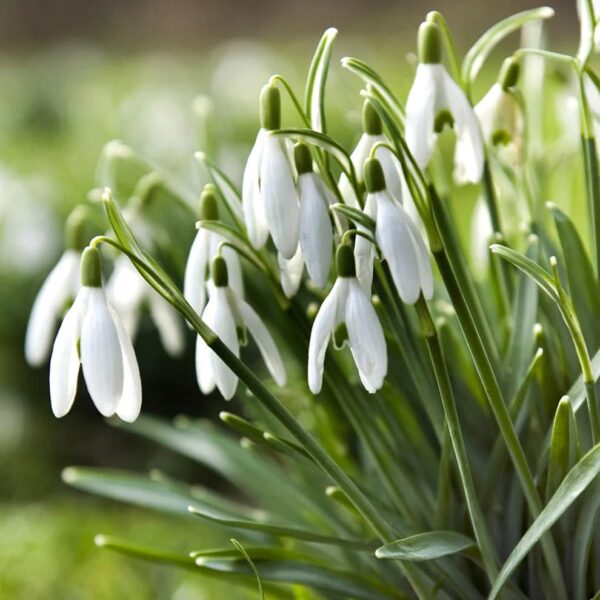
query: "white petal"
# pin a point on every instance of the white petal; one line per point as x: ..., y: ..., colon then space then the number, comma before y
x: 168, y: 324
x: 397, y: 247
x: 234, y: 270
x: 361, y: 153
x: 279, y: 197
x: 468, y: 155
x: 48, y: 306
x: 392, y: 169
x: 291, y: 272
x: 251, y: 196
x: 126, y: 288
x: 366, y: 338
x: 263, y: 340
x: 130, y: 402
x: 347, y: 192
x: 64, y: 362
x: 194, y: 287
x: 316, y: 234
x: 204, y: 371
x: 420, y: 114
x: 481, y: 234
x: 323, y: 327
x: 101, y: 356
x: 423, y: 260
x: 221, y: 320
x: 364, y: 250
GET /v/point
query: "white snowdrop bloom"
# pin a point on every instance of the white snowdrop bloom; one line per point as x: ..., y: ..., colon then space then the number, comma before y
x: 226, y: 313
x: 268, y: 192
x: 129, y: 294
x: 481, y: 235
x: 203, y: 249
x: 435, y: 100
x: 399, y: 239
x: 348, y: 309
x: 59, y: 288
x: 92, y: 337
x: 316, y: 233
x: 589, y: 38
x: 499, y: 113
x: 373, y: 134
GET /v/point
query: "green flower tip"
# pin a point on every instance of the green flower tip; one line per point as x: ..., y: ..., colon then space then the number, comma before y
x: 430, y: 43
x: 302, y: 158
x: 146, y: 187
x: 91, y: 268
x: 374, y: 177
x: 209, y: 210
x: 344, y: 261
x: 509, y: 73
x: 75, y: 237
x: 371, y: 120
x: 219, y: 272
x: 270, y: 108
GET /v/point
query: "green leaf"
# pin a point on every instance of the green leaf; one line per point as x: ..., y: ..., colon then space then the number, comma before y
x: 580, y: 275
x: 327, y: 580
x: 243, y: 552
x: 314, y: 97
x: 356, y: 215
x: 558, y: 461
x: 280, y: 530
x: 577, y: 480
x: 481, y: 49
x: 426, y: 546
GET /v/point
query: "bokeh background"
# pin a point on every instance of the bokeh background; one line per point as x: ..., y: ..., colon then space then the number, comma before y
x: 74, y: 75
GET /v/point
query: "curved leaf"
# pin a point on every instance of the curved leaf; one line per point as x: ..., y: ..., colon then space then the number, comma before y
x: 558, y: 461
x: 480, y: 50
x: 577, y: 480
x: 358, y: 216
x: 426, y: 546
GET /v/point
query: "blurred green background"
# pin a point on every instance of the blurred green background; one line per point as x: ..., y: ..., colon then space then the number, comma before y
x: 74, y: 75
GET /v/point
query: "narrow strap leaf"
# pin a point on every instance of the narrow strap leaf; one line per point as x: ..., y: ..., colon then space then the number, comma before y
x: 426, y: 546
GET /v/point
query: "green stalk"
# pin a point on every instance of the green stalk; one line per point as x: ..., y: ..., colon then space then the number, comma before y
x: 500, y: 410
x: 458, y: 444
x: 592, y: 185
x: 310, y: 444
x: 490, y: 197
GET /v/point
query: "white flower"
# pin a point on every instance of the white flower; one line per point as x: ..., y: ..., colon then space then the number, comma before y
x: 373, y: 134
x: 435, y: 100
x: 481, y: 235
x: 129, y: 293
x: 316, y: 234
x: 93, y: 337
x: 347, y: 304
x: 399, y: 239
x: 203, y: 249
x: 268, y: 192
x: 225, y: 313
x: 290, y: 272
x: 60, y: 287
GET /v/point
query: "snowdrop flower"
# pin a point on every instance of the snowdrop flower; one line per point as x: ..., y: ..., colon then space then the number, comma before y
x: 482, y: 233
x: 499, y: 112
x: 290, y: 272
x: 316, y: 233
x: 348, y: 310
x: 204, y: 248
x: 435, y: 100
x: 399, y: 238
x: 226, y: 314
x: 268, y: 192
x: 59, y: 288
x: 129, y: 293
x: 93, y: 337
x: 373, y: 133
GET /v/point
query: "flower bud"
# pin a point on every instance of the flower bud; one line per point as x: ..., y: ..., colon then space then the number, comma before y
x: 75, y: 237
x: 430, y: 43
x: 91, y: 268
x: 374, y: 177
x: 219, y: 272
x: 509, y: 73
x: 270, y: 108
x: 302, y: 158
x: 370, y: 119
x: 344, y: 261
x: 209, y: 210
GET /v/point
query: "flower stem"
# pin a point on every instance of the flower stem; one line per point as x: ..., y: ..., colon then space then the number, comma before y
x: 592, y: 184
x: 452, y: 420
x: 500, y: 410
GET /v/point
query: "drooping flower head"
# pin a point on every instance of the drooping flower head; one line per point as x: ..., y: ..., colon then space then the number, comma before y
x: 400, y: 240
x: 268, y: 192
x: 59, y: 288
x: 499, y: 112
x: 347, y: 312
x: 203, y: 250
x: 227, y: 315
x: 92, y: 337
x: 435, y: 100
x: 372, y: 134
